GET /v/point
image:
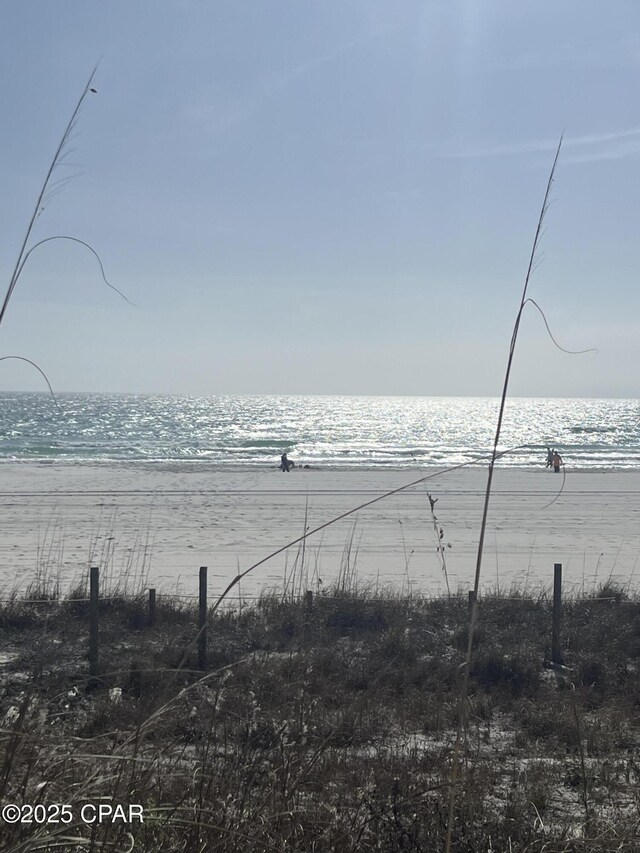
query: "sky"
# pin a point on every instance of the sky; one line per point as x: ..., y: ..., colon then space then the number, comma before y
x: 322, y: 198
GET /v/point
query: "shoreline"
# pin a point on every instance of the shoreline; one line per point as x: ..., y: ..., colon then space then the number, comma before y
x: 233, y: 468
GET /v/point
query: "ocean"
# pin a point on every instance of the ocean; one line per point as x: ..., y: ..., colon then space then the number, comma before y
x: 319, y: 431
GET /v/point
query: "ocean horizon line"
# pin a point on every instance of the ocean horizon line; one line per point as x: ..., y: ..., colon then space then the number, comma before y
x: 279, y: 395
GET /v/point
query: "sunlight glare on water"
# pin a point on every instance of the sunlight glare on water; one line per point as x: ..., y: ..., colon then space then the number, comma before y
x: 344, y: 432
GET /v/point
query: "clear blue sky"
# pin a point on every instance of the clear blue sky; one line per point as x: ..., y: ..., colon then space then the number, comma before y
x: 324, y: 197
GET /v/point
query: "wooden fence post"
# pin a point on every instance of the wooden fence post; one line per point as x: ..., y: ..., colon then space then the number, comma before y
x: 556, y: 652
x: 309, y: 599
x: 202, y: 620
x: 152, y: 608
x: 472, y: 598
x: 94, y: 602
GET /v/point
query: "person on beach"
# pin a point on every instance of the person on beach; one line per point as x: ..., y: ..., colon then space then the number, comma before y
x: 557, y: 461
x: 550, y: 453
x: 285, y: 465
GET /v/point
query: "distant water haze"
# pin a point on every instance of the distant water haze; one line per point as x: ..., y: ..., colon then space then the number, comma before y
x: 331, y: 432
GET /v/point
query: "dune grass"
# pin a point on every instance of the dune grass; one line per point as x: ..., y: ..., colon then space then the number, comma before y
x: 329, y: 729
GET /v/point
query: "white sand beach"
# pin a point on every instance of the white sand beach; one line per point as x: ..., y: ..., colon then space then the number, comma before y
x: 157, y: 523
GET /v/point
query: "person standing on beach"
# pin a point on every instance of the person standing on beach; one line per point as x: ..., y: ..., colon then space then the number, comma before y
x: 550, y: 454
x: 557, y: 461
x: 285, y: 465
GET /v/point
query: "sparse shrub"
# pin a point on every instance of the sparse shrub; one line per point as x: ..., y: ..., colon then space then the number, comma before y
x: 519, y: 676
x: 355, y: 616
x: 395, y: 647
x: 460, y: 639
x: 592, y: 673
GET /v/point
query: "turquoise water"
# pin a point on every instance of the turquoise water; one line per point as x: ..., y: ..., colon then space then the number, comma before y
x: 341, y: 432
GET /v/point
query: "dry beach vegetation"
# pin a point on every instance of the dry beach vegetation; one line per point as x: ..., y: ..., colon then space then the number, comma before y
x: 324, y: 728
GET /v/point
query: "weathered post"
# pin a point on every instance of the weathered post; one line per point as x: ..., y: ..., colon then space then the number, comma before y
x: 152, y: 608
x: 309, y: 600
x: 556, y: 653
x: 94, y: 603
x: 472, y: 598
x: 202, y: 620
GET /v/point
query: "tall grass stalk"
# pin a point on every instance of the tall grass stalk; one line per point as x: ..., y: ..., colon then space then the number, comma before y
x: 439, y: 534
x: 464, y: 686
x: 48, y: 189
x: 57, y: 160
x: 583, y: 769
x: 407, y: 559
